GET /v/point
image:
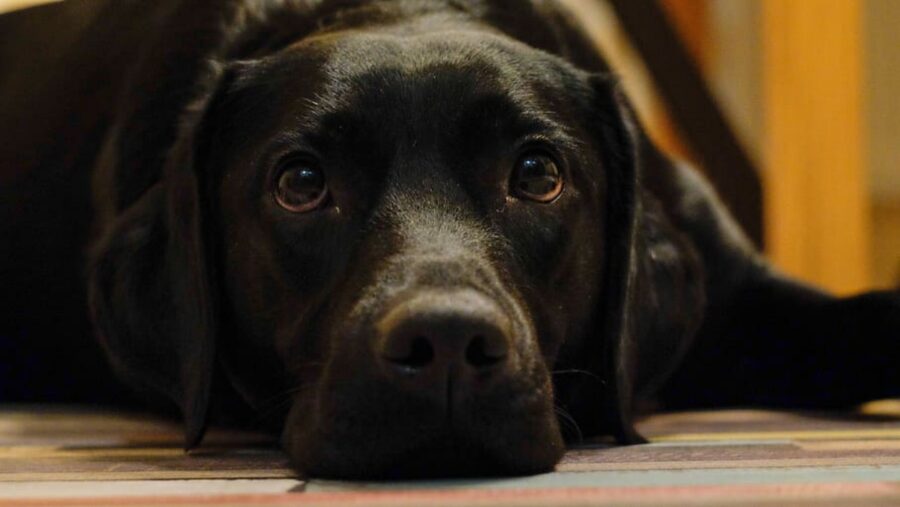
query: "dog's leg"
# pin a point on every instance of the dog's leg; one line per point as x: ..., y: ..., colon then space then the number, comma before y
x: 766, y: 339
x: 779, y: 343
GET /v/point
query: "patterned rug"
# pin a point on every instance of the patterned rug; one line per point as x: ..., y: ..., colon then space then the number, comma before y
x: 75, y: 457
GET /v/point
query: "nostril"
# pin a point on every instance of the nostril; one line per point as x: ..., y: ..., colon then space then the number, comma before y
x: 419, y: 355
x: 482, y: 353
x: 434, y: 336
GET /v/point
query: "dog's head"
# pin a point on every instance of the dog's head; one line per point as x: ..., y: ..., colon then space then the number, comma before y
x: 411, y: 244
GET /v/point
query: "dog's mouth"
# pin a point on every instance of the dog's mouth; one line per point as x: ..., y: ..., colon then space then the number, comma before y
x: 446, y: 453
x: 443, y: 455
x: 363, y: 427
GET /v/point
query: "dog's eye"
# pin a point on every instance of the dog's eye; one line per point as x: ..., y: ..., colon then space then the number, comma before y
x: 537, y: 177
x: 300, y: 186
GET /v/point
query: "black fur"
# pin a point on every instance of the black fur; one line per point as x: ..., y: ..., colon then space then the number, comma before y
x: 139, y: 142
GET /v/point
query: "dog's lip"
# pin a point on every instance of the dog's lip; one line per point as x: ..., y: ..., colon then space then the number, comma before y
x: 521, y: 439
x: 449, y: 453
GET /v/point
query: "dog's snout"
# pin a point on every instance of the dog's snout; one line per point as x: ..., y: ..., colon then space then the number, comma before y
x: 438, y: 336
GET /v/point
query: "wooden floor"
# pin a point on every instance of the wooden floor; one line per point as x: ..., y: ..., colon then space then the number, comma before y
x: 63, y: 457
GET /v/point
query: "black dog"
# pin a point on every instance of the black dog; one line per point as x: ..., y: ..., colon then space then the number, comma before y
x: 422, y: 237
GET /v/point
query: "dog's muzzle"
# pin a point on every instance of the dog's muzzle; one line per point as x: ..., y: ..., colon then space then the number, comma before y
x: 445, y: 345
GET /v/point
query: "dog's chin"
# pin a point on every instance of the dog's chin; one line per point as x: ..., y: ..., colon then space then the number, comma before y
x: 515, y: 443
x: 446, y: 456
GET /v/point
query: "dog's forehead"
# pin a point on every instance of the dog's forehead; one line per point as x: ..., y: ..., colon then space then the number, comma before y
x: 482, y: 56
x: 431, y: 72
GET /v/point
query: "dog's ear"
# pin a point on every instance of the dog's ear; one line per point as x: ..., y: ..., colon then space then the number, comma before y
x: 653, y: 293
x: 611, y: 353
x: 151, y: 289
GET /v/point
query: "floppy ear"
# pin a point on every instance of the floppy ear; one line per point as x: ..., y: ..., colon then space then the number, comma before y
x: 152, y: 296
x: 612, y: 352
x: 653, y: 294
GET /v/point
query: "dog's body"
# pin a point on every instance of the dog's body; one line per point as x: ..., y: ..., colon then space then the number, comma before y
x: 408, y: 232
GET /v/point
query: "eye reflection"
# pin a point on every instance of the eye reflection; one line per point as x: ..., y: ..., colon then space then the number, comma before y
x: 301, y: 186
x: 537, y: 177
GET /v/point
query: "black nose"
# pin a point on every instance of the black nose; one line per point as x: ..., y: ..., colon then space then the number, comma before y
x: 434, y: 338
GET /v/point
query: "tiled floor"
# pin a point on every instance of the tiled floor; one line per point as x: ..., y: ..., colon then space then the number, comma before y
x: 77, y: 457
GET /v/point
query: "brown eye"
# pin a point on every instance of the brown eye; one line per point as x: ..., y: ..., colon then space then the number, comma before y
x: 301, y: 186
x: 537, y: 177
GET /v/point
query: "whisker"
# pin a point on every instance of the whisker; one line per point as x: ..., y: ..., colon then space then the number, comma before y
x: 278, y: 402
x: 565, y: 417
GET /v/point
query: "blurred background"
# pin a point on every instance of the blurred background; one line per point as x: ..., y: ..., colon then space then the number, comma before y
x: 811, y: 89
x: 808, y: 88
